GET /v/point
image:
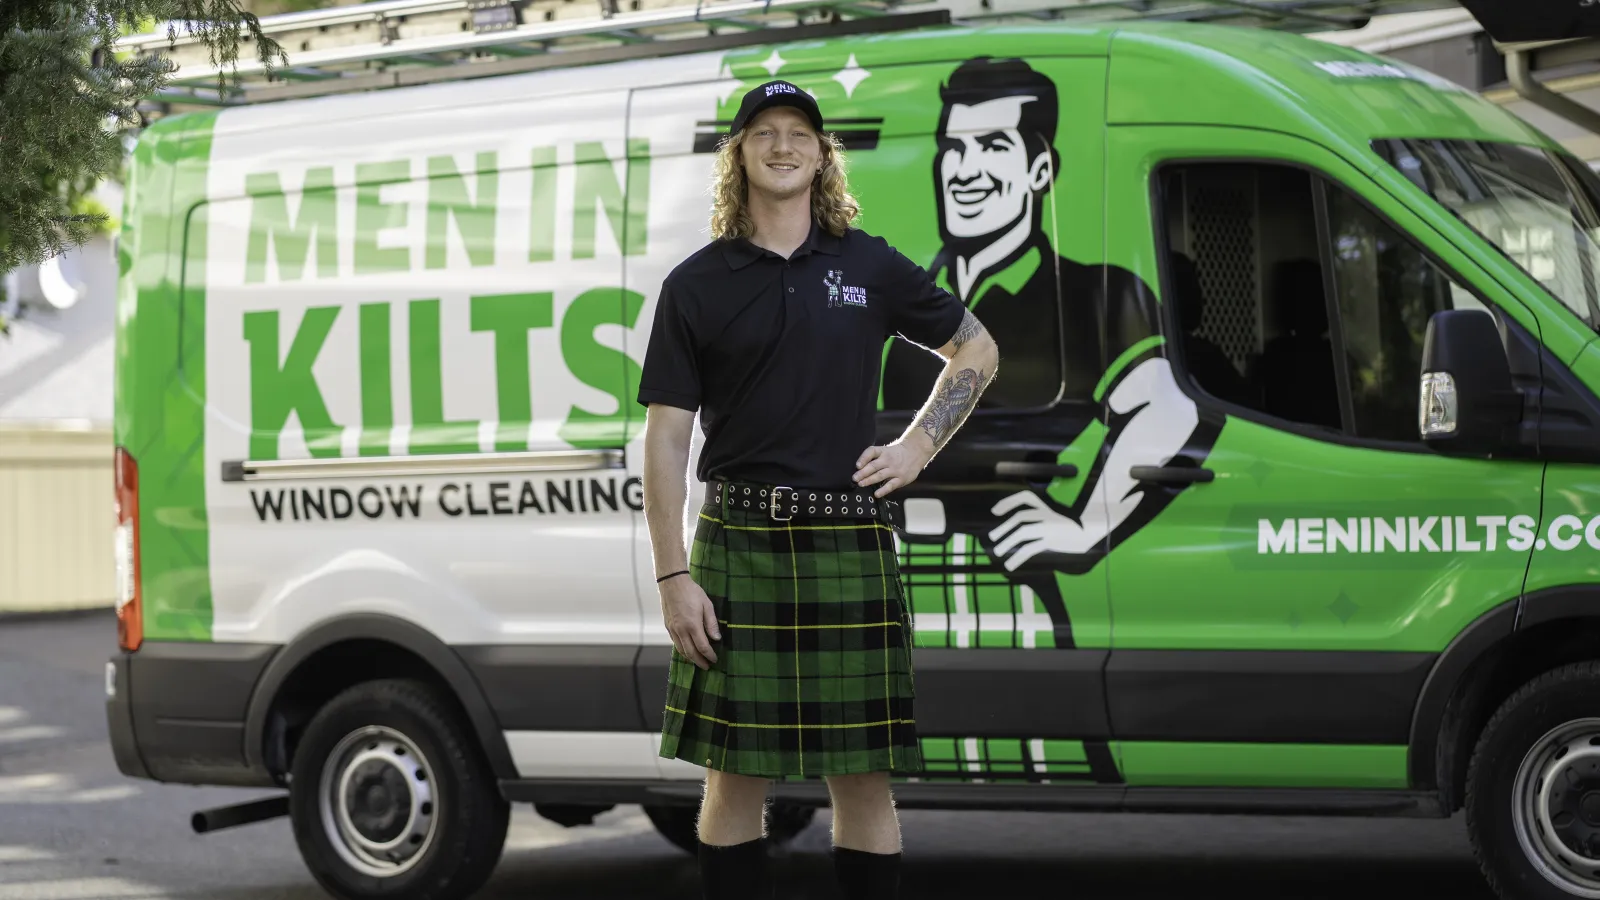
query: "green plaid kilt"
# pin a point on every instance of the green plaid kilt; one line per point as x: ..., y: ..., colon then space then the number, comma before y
x: 813, y: 673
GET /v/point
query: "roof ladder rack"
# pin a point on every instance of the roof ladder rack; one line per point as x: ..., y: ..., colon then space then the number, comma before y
x: 393, y: 43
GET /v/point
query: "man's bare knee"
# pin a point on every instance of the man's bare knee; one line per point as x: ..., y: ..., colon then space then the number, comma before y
x: 733, y: 810
x: 864, y: 816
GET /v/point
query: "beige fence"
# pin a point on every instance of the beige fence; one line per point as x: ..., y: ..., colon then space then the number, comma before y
x: 57, y: 517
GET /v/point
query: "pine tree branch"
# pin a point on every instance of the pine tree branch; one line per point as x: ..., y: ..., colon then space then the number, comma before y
x: 222, y: 25
x: 67, y: 102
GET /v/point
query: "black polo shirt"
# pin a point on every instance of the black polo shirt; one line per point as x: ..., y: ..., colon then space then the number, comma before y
x: 781, y: 357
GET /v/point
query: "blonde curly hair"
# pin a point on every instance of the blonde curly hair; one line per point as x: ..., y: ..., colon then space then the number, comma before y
x: 832, y: 205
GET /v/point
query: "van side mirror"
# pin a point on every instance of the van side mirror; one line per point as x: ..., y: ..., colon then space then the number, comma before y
x: 1468, y: 403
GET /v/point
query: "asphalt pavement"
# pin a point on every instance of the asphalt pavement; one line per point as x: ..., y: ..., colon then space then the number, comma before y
x: 74, y: 828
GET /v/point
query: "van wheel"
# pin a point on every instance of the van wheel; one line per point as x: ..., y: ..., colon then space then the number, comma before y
x: 390, y: 796
x: 677, y: 823
x: 1533, y: 789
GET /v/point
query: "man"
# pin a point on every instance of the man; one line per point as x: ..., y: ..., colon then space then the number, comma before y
x: 791, y: 645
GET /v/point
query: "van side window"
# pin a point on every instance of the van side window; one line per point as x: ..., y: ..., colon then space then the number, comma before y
x: 1387, y: 291
x: 1249, y: 290
x: 1255, y: 251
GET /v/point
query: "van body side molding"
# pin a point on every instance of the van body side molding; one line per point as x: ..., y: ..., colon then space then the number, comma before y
x: 979, y: 692
x: 1264, y: 696
x: 558, y: 687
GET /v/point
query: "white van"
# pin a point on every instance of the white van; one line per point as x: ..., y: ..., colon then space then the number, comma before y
x: 379, y: 493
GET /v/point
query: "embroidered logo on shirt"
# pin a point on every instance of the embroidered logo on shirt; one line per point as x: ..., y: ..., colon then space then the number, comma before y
x: 841, y: 294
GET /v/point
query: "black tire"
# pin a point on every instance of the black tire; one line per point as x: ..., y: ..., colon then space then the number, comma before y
x: 1520, y: 750
x: 677, y: 823
x: 456, y: 814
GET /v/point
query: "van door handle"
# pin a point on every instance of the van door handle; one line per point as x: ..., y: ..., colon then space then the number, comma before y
x: 1172, y: 474
x: 1034, y: 470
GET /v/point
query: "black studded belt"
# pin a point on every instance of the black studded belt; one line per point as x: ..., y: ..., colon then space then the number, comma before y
x: 783, y: 503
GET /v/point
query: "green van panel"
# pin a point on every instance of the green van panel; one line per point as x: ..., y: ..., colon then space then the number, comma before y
x: 159, y: 412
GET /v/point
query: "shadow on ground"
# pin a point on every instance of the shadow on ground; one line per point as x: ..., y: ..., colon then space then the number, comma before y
x: 644, y: 866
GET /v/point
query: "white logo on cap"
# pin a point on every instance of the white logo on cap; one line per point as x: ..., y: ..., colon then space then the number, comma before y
x: 781, y: 89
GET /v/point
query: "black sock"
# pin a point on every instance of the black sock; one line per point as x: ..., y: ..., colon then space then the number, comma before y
x: 867, y: 876
x: 735, y: 872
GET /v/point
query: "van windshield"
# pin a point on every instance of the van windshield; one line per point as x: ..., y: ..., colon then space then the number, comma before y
x: 1540, y: 208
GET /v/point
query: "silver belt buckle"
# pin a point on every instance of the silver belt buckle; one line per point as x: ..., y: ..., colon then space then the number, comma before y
x: 773, y: 511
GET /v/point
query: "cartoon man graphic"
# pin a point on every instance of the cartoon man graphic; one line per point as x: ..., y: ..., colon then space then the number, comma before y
x: 997, y: 161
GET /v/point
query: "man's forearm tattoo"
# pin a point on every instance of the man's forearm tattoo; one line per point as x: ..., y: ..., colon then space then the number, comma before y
x: 952, y: 400
x: 970, y: 328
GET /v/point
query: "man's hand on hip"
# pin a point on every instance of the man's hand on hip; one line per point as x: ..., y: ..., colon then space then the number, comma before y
x: 691, y: 620
x: 894, y: 465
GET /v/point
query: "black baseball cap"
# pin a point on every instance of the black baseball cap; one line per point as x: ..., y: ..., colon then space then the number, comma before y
x: 775, y: 93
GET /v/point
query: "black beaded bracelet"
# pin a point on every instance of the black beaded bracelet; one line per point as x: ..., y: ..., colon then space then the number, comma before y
x: 673, y: 575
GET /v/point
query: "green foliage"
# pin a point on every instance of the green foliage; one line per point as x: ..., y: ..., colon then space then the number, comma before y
x: 67, y: 102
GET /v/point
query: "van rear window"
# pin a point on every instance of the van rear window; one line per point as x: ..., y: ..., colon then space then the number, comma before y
x: 1538, y: 207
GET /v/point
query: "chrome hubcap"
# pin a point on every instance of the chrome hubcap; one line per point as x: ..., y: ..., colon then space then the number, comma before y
x: 377, y: 802
x: 1555, y: 803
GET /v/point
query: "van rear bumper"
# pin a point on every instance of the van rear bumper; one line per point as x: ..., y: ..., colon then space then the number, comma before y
x: 119, y: 719
x: 175, y: 711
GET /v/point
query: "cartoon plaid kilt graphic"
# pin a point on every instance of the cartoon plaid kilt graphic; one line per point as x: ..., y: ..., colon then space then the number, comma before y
x: 813, y: 673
